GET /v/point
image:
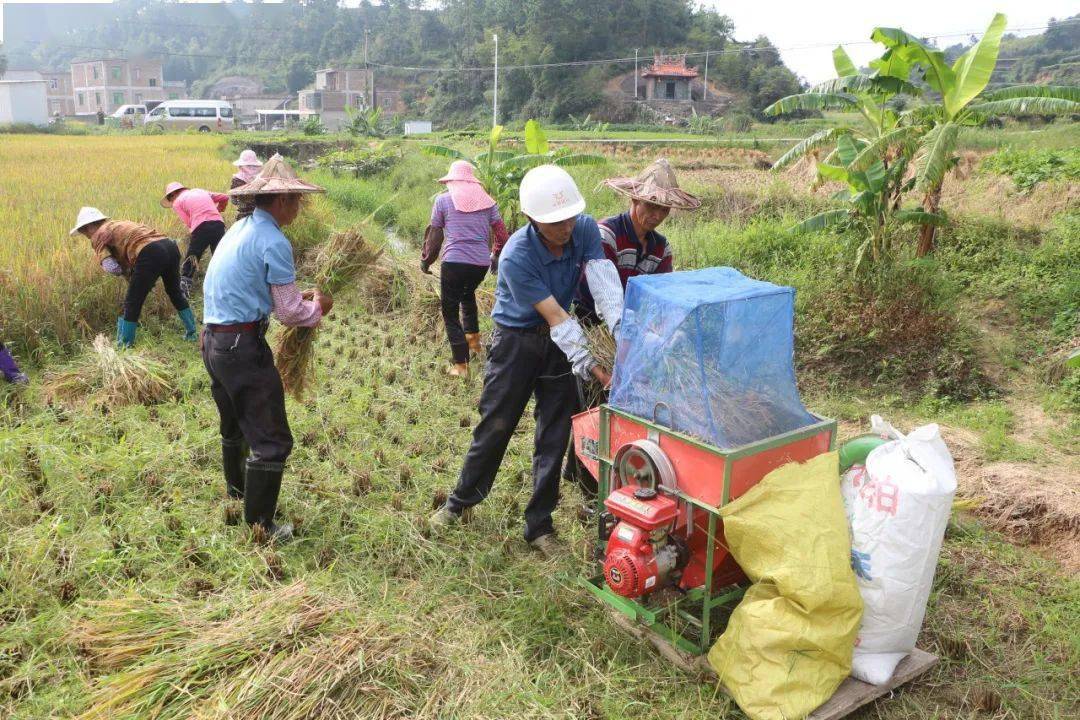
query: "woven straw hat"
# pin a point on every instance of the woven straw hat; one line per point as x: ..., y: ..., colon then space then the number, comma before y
x: 655, y: 184
x: 169, y: 190
x: 276, y: 178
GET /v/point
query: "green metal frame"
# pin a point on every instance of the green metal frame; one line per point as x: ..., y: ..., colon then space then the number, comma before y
x: 703, y: 600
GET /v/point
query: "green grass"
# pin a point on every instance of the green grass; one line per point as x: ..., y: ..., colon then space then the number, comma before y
x: 101, y: 507
x: 97, y: 506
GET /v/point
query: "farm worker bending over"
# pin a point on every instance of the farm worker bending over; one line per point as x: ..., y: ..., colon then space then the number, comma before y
x: 536, y: 346
x: 631, y: 242
x: 10, y: 368
x: 200, y: 211
x: 248, y: 166
x: 461, y: 220
x: 142, y: 254
x: 251, y: 276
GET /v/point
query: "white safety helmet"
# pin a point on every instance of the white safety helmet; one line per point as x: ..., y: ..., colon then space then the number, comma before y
x: 549, y: 195
x: 86, y: 216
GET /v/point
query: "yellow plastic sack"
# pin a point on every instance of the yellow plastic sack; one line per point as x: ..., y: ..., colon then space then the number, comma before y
x: 788, y: 645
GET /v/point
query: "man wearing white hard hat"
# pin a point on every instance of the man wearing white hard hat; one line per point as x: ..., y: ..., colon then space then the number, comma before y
x: 537, y: 346
x: 142, y: 254
x: 200, y: 211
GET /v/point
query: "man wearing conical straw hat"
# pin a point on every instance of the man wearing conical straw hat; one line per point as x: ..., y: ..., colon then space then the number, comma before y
x: 630, y: 239
x: 250, y: 277
x: 631, y: 242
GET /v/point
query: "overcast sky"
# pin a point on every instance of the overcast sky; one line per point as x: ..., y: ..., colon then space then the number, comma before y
x: 806, y: 31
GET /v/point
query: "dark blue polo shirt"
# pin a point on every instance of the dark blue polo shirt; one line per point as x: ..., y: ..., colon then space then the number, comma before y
x: 529, y: 273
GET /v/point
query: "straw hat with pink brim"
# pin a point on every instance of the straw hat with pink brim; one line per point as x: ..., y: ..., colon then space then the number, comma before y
x: 169, y: 190
x: 276, y: 178
x: 655, y: 184
x: 466, y: 192
x: 248, y: 158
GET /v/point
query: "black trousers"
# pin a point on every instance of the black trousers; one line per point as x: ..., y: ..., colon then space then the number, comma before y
x: 205, y: 235
x: 159, y: 259
x: 520, y: 366
x: 248, y: 393
x: 457, y: 288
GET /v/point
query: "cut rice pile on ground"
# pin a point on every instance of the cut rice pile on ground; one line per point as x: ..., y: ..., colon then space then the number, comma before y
x: 398, y: 286
x: 285, y: 654
x: 337, y: 263
x: 108, y: 377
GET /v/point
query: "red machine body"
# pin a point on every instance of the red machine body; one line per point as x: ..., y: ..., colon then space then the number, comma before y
x: 660, y: 536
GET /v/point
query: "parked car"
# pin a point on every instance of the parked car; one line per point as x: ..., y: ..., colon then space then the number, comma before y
x: 205, y: 115
x: 127, y: 116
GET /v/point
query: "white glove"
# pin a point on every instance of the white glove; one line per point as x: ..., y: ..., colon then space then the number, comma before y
x: 571, y: 340
x: 607, y: 292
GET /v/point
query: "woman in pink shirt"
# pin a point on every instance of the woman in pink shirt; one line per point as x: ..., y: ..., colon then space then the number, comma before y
x: 200, y: 211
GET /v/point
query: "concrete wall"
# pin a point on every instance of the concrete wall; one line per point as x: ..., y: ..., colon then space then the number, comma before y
x: 23, y: 102
x: 656, y: 89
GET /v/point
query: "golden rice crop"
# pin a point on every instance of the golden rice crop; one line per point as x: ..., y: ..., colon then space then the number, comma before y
x: 51, y: 289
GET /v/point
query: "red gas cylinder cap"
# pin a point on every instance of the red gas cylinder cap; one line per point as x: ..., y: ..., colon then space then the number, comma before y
x: 645, y: 493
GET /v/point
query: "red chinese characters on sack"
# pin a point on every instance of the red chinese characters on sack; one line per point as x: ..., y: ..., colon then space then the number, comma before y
x: 881, y: 496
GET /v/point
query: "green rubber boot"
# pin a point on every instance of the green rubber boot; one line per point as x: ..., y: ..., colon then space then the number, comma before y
x: 188, y: 318
x: 125, y: 332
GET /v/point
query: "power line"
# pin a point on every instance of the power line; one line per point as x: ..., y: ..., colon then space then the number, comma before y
x: 743, y: 49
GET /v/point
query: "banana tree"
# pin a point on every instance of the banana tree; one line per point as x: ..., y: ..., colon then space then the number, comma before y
x: 501, y: 171
x: 872, y: 193
x: 963, y: 103
x: 866, y: 94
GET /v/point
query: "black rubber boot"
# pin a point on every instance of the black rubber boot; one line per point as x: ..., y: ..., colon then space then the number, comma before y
x: 261, y: 496
x: 233, y: 458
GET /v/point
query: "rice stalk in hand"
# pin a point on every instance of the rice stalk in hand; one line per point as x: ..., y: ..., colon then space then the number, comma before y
x: 601, y: 344
x: 339, y: 261
x: 109, y: 377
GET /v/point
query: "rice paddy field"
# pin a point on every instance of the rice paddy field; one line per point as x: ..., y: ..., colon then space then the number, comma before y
x: 129, y: 588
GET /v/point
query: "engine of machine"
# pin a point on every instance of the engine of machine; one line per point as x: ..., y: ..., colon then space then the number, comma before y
x: 643, y: 551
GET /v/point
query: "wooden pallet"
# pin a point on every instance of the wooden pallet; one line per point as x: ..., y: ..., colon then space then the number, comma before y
x: 849, y: 697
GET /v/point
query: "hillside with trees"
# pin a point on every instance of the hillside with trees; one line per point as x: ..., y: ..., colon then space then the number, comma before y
x: 283, y: 44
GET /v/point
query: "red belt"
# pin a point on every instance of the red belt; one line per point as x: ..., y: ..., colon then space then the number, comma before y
x: 249, y: 327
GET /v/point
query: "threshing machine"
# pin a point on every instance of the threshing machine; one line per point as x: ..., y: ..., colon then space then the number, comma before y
x: 703, y: 405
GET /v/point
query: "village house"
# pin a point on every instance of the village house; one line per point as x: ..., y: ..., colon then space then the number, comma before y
x: 107, y: 83
x: 336, y: 88
x: 59, y: 93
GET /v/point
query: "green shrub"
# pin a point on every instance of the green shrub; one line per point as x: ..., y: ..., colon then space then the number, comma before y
x: 1028, y: 168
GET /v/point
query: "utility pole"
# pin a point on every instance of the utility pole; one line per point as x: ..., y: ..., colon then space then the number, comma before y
x: 635, y: 74
x: 495, y: 95
x: 370, y: 72
x: 705, y: 94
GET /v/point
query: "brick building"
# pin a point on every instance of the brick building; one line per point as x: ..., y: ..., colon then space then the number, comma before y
x: 107, y: 83
x: 59, y: 93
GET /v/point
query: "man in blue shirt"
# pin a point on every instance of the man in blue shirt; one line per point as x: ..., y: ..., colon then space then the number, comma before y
x: 537, y: 346
x: 250, y: 276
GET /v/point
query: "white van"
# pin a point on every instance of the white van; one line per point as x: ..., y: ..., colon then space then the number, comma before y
x: 129, y: 111
x: 206, y: 115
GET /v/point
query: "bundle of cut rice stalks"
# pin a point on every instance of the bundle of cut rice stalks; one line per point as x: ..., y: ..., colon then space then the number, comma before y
x: 335, y: 265
x: 601, y: 344
x: 110, y: 377
x: 285, y: 654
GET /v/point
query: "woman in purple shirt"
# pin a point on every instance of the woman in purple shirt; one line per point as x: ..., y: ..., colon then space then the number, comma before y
x: 462, y: 220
